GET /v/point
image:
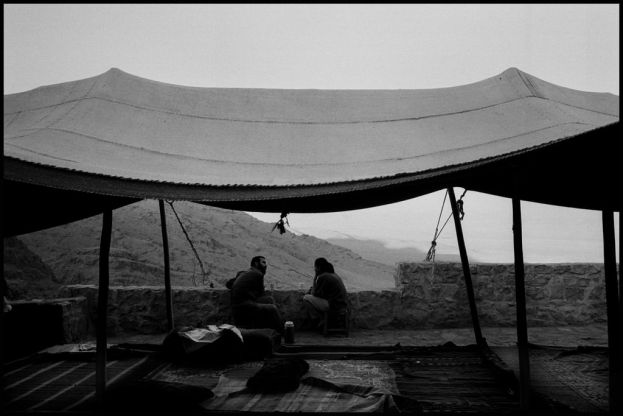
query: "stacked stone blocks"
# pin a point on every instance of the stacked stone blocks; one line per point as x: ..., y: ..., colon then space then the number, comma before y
x: 426, y: 296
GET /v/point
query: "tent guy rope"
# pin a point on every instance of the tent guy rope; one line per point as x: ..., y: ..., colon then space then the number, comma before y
x: 430, y: 256
x: 204, y: 274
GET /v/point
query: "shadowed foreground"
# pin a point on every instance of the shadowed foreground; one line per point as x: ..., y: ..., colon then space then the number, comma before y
x: 427, y: 372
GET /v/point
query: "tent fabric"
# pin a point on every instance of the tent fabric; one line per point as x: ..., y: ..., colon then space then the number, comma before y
x: 126, y: 137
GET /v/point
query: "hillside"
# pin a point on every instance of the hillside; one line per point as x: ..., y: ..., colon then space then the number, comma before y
x: 27, y: 276
x: 225, y: 241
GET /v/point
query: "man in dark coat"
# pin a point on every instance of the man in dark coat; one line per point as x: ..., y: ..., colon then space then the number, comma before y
x: 251, y: 306
x: 328, y: 293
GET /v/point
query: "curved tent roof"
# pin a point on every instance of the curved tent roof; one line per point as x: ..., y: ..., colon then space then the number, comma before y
x: 116, y: 138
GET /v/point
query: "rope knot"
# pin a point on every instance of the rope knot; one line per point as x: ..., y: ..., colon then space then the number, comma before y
x: 430, y: 256
x: 281, y: 224
x: 459, y: 205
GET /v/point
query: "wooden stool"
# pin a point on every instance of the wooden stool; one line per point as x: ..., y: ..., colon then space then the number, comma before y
x: 336, y: 322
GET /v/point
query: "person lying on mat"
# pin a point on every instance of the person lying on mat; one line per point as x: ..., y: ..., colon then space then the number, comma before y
x: 327, y: 293
x: 251, y: 306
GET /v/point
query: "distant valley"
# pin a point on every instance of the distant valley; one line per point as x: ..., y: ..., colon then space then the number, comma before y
x: 376, y: 251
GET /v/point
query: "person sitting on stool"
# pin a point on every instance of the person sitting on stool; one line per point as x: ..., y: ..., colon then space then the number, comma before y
x: 327, y: 294
x: 251, y: 306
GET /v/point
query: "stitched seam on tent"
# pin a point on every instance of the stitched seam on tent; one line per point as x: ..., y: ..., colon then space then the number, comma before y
x: 356, y: 184
x: 86, y: 96
x: 62, y: 102
x: 186, y: 157
x: 581, y: 108
x: 530, y: 85
x: 13, y: 119
x: 49, y: 106
x: 285, y: 121
x: 236, y: 120
x: 41, y: 154
x: 310, y: 122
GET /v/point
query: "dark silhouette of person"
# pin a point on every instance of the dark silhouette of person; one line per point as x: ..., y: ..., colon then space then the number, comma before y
x: 251, y: 306
x: 327, y: 293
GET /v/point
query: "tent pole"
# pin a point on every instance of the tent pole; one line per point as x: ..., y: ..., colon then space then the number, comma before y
x: 167, y: 271
x: 520, y: 295
x: 466, y: 271
x: 3, y: 290
x: 102, y: 309
x: 612, y: 310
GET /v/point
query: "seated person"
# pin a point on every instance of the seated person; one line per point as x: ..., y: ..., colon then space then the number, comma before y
x: 251, y: 306
x: 327, y: 294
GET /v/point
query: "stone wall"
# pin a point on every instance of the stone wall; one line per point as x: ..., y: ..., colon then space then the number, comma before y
x: 141, y: 309
x: 33, y: 325
x: 557, y: 295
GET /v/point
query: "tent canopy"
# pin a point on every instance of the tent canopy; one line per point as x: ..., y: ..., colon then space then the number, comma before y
x: 73, y: 149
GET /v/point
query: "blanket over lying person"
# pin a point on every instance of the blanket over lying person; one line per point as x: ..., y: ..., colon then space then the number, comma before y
x: 328, y: 386
x: 218, y: 345
x: 278, y: 375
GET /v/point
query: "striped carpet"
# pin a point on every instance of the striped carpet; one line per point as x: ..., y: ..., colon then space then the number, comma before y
x: 51, y: 383
x: 432, y: 380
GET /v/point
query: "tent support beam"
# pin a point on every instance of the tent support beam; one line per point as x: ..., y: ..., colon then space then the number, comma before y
x: 102, y: 309
x: 3, y: 290
x: 466, y: 272
x: 522, y: 323
x: 167, y: 270
x: 612, y: 310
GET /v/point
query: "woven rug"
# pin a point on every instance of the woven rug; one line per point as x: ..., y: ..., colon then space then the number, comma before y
x: 452, y: 381
x: 431, y: 380
x: 328, y: 386
x: 62, y: 382
x: 577, y: 378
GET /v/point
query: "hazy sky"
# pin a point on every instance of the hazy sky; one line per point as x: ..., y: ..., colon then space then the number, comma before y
x: 344, y: 47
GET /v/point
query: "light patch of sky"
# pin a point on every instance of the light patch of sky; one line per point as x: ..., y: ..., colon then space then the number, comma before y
x: 321, y: 46
x: 550, y: 234
x: 311, y: 46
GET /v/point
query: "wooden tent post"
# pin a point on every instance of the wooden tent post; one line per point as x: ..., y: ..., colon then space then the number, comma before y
x: 612, y: 310
x: 102, y: 309
x: 466, y: 271
x: 522, y: 324
x: 167, y: 271
x: 2, y: 336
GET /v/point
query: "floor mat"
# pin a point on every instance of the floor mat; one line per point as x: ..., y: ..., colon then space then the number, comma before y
x: 577, y: 377
x: 328, y: 386
x: 433, y: 380
x: 378, y: 374
x: 62, y: 382
x: 449, y: 380
x: 419, y: 379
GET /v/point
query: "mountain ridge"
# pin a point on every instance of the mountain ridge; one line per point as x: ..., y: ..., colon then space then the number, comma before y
x: 224, y: 240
